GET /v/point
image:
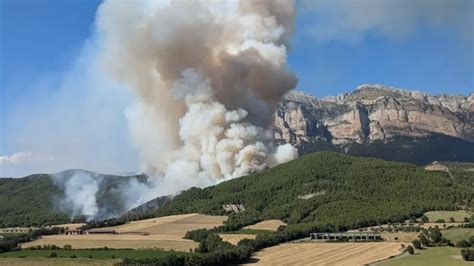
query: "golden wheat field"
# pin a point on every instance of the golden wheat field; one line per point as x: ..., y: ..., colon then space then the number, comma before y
x: 327, y: 253
x: 164, y: 232
x: 271, y: 225
x: 235, y: 238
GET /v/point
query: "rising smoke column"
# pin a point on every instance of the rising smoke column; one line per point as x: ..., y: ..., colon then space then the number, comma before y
x: 207, y: 76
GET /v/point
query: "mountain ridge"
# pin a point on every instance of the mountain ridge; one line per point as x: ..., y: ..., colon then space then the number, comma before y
x: 375, y: 114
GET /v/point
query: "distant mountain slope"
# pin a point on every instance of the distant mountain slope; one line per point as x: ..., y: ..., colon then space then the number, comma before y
x: 37, y: 199
x: 380, y: 121
x: 345, y: 190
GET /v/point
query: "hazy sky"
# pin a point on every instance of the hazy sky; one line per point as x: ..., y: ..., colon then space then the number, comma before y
x: 53, y: 113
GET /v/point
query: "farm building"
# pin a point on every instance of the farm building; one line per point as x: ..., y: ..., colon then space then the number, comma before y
x: 353, y: 236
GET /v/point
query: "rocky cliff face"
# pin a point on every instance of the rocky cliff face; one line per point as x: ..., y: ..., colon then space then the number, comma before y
x: 372, y: 113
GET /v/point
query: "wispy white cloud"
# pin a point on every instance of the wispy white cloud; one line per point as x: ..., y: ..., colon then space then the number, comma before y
x: 77, y: 118
x: 353, y: 20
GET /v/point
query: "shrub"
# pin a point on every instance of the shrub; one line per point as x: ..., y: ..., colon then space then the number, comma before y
x: 467, y: 254
x: 53, y: 255
x: 410, y: 250
x: 67, y: 247
x: 416, y: 243
x: 463, y: 244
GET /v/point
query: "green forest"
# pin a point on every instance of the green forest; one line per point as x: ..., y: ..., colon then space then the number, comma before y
x: 349, y: 191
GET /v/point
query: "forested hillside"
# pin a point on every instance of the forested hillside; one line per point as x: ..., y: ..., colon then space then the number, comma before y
x: 339, y: 189
x: 36, y: 200
x: 29, y: 201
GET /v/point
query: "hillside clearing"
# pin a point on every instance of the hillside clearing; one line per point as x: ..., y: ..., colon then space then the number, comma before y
x: 327, y: 253
x: 271, y: 225
x: 441, y: 256
x: 458, y: 216
x: 165, y: 233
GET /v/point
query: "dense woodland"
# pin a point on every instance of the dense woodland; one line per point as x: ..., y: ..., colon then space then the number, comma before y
x: 351, y: 192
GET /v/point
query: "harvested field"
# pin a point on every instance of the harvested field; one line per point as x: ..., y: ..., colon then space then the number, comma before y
x: 235, y: 238
x: 70, y: 226
x: 164, y: 232
x: 271, y: 225
x: 400, y: 237
x: 115, y: 241
x: 327, y: 253
x: 56, y: 261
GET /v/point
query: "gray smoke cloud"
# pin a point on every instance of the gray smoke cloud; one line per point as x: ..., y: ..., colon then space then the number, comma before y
x: 207, y: 76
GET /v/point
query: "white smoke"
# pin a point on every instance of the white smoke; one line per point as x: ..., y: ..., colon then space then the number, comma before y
x: 80, y: 192
x: 207, y: 75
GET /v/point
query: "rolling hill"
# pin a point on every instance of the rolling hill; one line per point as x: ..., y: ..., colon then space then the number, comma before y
x: 330, y: 188
x: 37, y: 199
x: 322, y: 187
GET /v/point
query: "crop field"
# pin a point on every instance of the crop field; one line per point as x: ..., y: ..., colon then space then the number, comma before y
x: 56, y: 262
x: 327, y: 253
x: 457, y: 234
x: 402, y: 237
x: 70, y: 226
x: 441, y: 256
x: 445, y: 215
x: 85, y: 253
x: 164, y: 232
x: 235, y: 238
x: 271, y: 225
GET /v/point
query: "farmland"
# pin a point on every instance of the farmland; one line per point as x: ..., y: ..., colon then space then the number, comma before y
x: 271, y: 225
x: 86, y: 253
x: 327, y: 253
x: 56, y: 262
x: 165, y: 233
x: 439, y: 256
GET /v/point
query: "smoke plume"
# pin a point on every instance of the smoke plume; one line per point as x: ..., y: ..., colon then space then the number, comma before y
x: 207, y: 76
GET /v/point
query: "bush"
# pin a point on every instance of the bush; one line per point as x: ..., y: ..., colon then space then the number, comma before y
x: 410, y: 250
x: 440, y: 221
x: 416, y: 243
x: 67, y: 247
x: 467, y: 254
x: 53, y: 255
x: 463, y: 244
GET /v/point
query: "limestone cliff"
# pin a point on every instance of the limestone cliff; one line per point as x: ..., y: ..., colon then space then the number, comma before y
x: 372, y: 113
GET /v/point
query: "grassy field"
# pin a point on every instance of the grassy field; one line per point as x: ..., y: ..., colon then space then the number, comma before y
x: 326, y: 253
x: 457, y: 234
x: 56, y: 261
x: 271, y: 225
x: 165, y: 233
x: 441, y: 256
x: 457, y: 215
x: 84, y: 253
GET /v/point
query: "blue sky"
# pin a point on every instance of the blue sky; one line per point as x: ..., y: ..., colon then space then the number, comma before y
x: 41, y: 37
x: 337, y: 45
